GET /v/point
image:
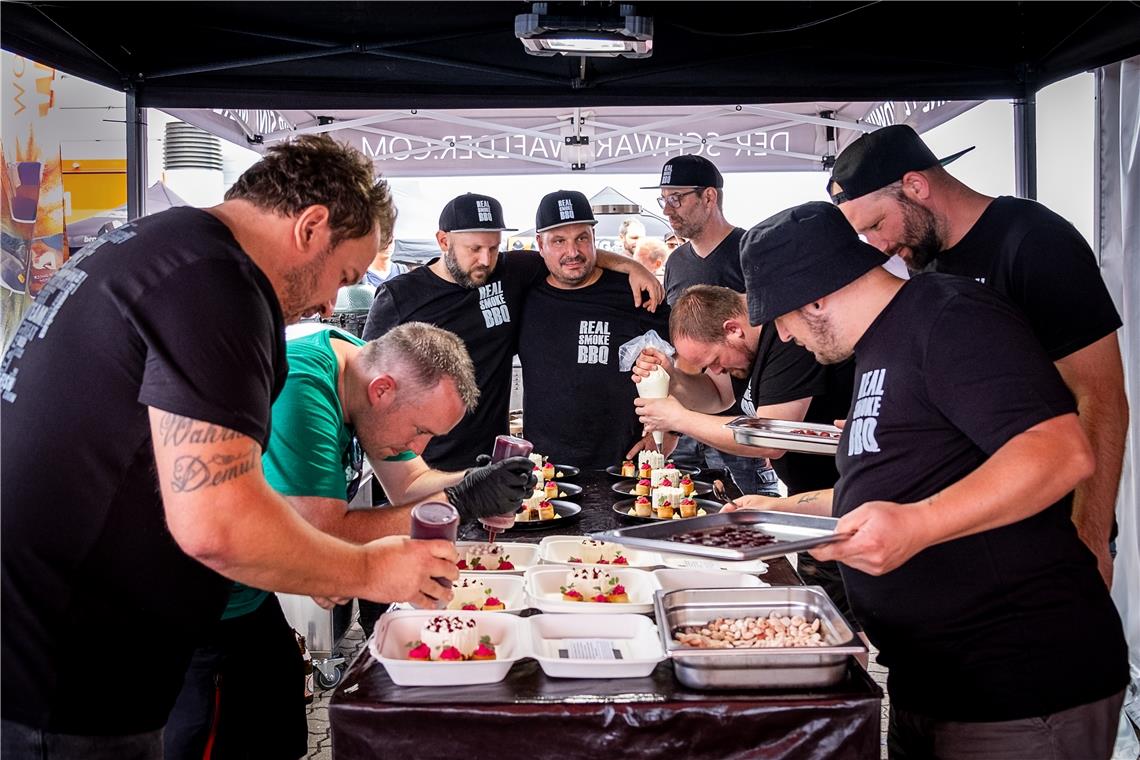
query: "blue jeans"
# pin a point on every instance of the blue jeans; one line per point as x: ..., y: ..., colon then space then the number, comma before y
x: 21, y: 742
x: 752, y: 475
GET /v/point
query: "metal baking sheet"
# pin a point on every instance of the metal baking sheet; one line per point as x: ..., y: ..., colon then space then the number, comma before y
x: 776, y: 667
x: 793, y: 533
x: 783, y: 434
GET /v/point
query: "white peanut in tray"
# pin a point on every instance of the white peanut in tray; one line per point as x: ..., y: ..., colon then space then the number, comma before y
x: 752, y: 633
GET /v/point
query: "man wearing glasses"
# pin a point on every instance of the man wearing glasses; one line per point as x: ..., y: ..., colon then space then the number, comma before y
x: 343, y: 397
x: 692, y: 197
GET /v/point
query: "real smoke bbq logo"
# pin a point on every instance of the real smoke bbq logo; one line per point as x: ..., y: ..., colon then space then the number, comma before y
x: 593, y: 342
x: 746, y: 405
x: 493, y: 305
x: 666, y: 174
x: 483, y: 208
x: 865, y: 414
x: 565, y: 209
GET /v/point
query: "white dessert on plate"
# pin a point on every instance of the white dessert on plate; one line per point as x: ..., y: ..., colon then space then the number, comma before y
x: 468, y: 590
x: 655, y: 458
x: 445, y: 631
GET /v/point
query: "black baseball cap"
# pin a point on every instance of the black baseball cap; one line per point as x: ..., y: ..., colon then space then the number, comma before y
x: 689, y: 171
x: 473, y: 213
x: 563, y: 207
x: 879, y: 158
x: 799, y: 255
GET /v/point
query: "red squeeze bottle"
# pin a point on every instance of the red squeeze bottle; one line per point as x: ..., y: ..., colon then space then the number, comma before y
x: 507, y: 446
x: 435, y: 519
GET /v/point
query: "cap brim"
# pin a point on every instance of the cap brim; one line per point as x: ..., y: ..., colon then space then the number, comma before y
x: 590, y: 222
x: 487, y: 229
x: 955, y: 156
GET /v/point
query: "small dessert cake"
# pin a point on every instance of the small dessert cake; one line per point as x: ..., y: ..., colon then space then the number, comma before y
x: 663, y: 494
x: 644, y: 470
x: 688, y: 507
x: 594, y: 552
x: 665, y: 510
x: 670, y: 465
x: 687, y: 486
x: 627, y: 469
x: 655, y: 459
x: 537, y: 459
x: 593, y: 584
x: 548, y: 471
x: 546, y: 510
x: 532, y: 508
x: 643, y: 507
x: 658, y: 476
x: 486, y: 557
x: 469, y: 594
x: 590, y: 582
x: 615, y: 592
x: 451, y: 638
x: 643, y: 487
x: 589, y: 551
x: 551, y: 489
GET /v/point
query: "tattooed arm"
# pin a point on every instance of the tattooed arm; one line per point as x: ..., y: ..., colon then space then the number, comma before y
x: 222, y: 512
x: 807, y: 503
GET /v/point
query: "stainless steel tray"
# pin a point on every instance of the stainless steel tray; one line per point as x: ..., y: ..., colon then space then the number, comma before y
x: 793, y: 533
x: 774, y: 668
x: 781, y: 434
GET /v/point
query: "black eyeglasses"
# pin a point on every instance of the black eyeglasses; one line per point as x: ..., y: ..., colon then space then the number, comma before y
x: 675, y: 200
x: 353, y: 468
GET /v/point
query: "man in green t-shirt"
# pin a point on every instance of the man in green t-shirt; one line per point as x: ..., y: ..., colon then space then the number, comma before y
x: 343, y: 398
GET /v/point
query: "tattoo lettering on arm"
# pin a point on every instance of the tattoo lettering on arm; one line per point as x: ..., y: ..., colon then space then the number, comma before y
x: 807, y: 498
x: 177, y: 430
x: 191, y: 473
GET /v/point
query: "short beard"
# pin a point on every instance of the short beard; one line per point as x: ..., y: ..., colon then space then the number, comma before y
x: 827, y: 349
x: 920, y: 233
x: 461, y: 277
x: 587, y: 270
x: 301, y: 285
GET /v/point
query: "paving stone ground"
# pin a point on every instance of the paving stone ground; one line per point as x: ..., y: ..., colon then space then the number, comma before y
x: 320, y: 744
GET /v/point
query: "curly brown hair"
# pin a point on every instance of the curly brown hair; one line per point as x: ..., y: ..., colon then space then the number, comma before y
x: 316, y: 170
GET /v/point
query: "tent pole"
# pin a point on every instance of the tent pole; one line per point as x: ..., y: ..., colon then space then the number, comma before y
x: 1025, y: 144
x: 136, y: 156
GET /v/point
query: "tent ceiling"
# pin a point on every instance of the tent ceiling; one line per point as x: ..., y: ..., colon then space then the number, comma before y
x: 404, y: 55
x: 618, y: 139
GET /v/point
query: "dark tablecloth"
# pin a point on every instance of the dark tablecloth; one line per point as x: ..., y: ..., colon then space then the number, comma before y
x: 531, y: 715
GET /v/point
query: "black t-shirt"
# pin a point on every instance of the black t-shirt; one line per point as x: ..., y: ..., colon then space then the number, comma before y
x: 487, y: 319
x: 721, y: 267
x: 166, y: 312
x: 985, y: 627
x: 1040, y: 262
x: 786, y: 372
x: 577, y: 404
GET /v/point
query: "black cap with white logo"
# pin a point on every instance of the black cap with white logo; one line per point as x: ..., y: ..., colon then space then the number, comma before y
x: 880, y: 158
x: 563, y: 207
x: 473, y: 213
x: 689, y: 171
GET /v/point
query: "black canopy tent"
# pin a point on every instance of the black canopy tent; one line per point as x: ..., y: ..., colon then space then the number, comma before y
x: 411, y: 55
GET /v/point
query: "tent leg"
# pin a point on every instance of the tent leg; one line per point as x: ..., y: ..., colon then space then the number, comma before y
x: 136, y: 157
x: 1025, y: 145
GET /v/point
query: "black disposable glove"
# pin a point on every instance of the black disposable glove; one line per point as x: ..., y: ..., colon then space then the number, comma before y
x: 493, y: 489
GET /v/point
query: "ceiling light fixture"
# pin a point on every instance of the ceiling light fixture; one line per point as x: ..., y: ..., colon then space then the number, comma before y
x: 576, y: 32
